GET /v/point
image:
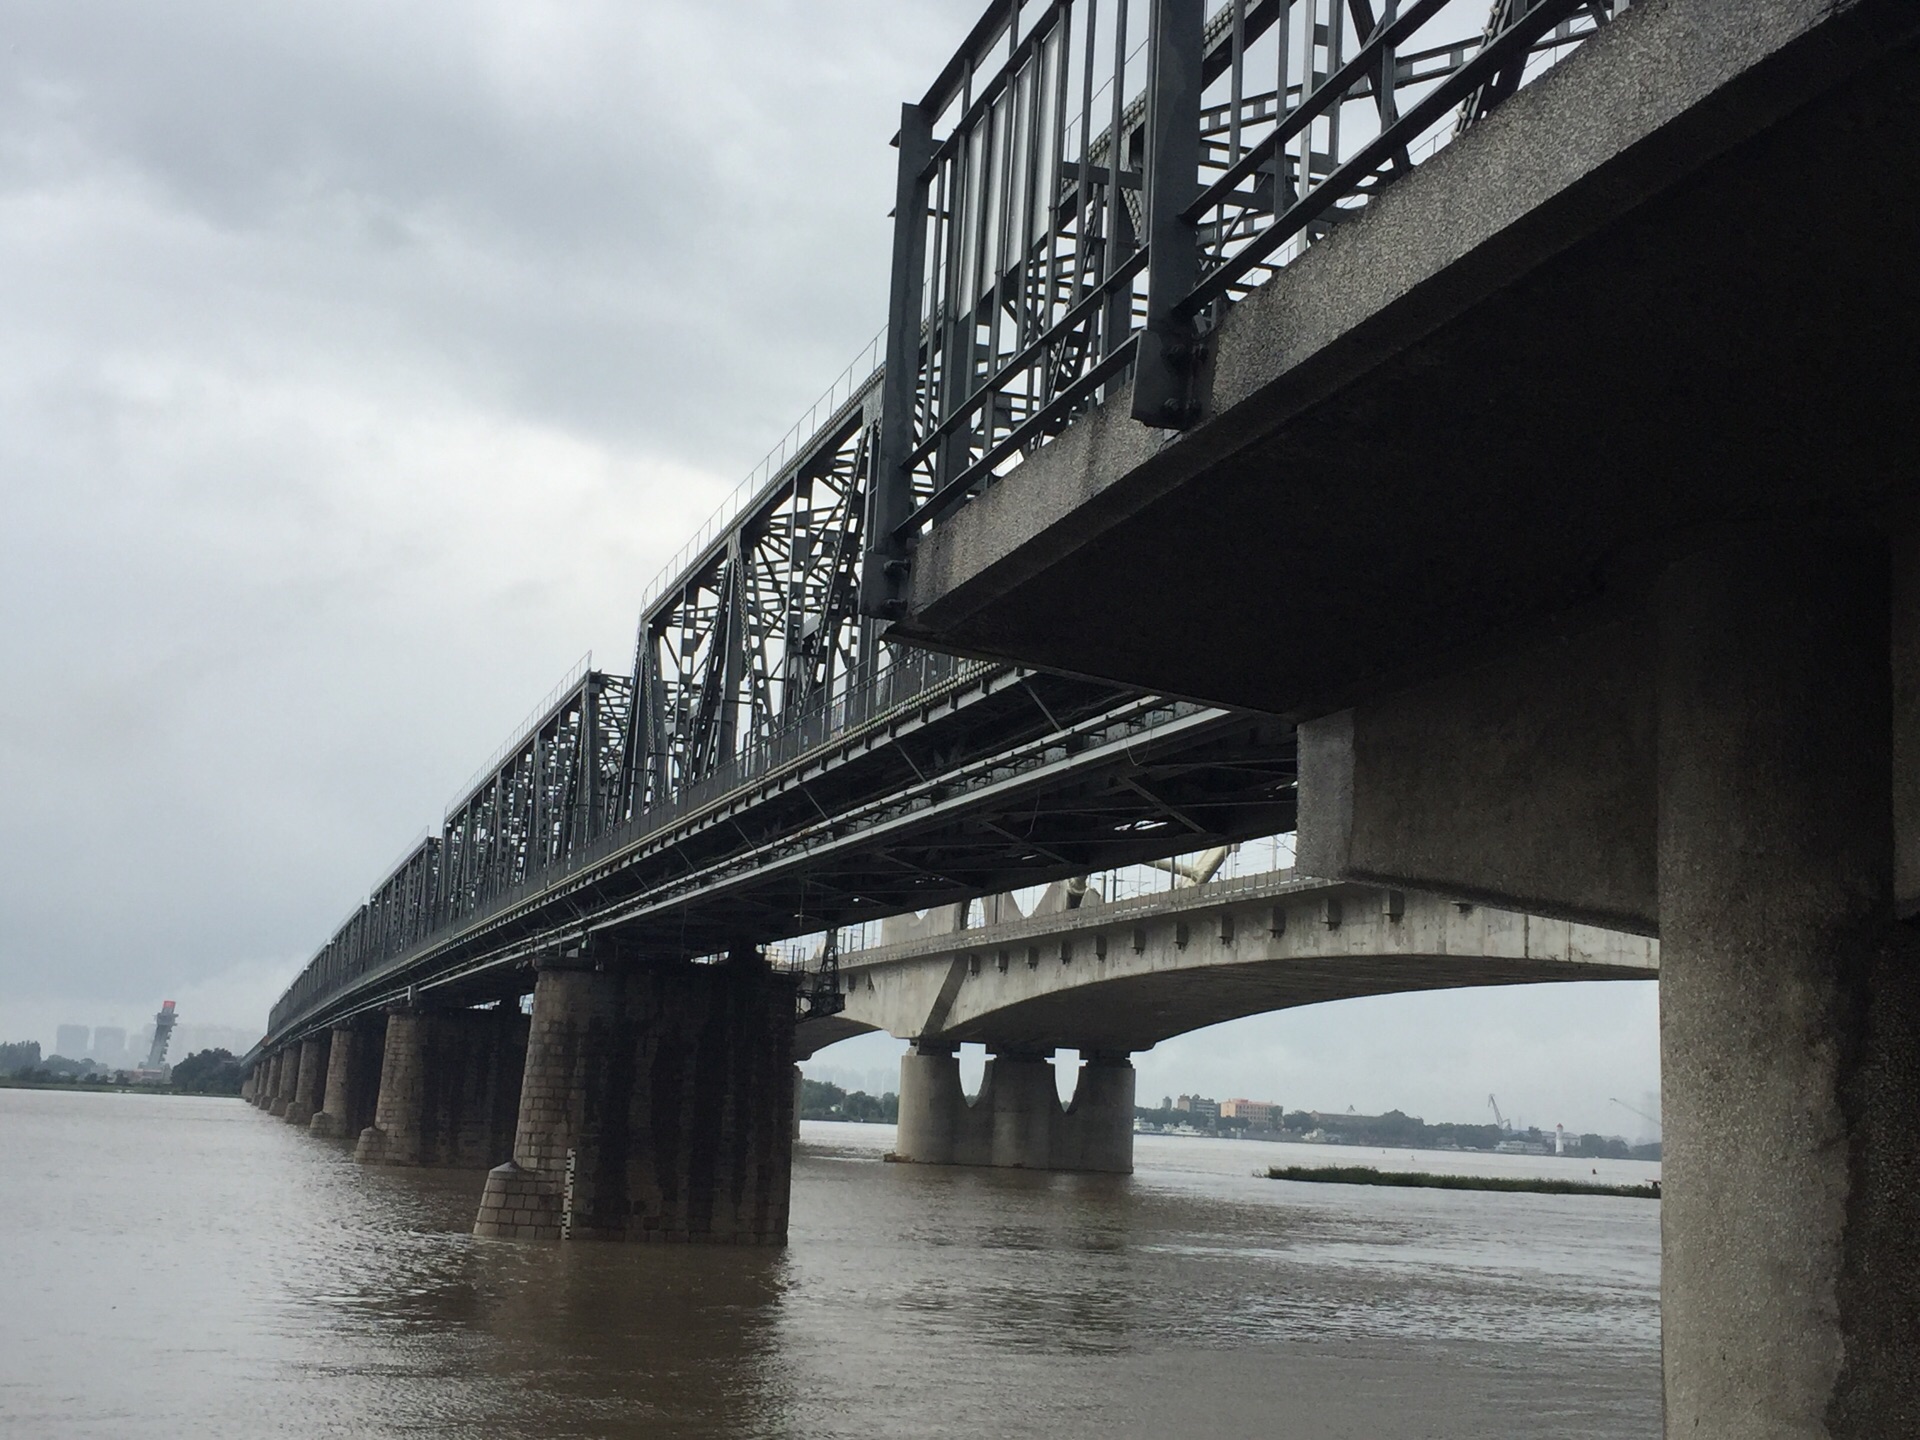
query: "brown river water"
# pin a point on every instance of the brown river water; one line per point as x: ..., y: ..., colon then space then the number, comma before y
x: 194, y: 1268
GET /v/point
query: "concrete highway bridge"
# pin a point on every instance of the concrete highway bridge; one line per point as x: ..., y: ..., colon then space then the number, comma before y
x: 1497, y: 418
x: 1110, y: 980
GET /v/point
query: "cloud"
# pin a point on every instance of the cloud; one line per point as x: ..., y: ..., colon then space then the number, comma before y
x: 358, y: 369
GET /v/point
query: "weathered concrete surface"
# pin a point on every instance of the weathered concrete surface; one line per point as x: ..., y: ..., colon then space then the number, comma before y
x: 1527, y: 781
x: 1121, y: 978
x: 449, y: 1087
x: 1790, y: 1298
x: 310, y: 1080
x: 657, y: 1106
x: 353, y: 1078
x: 1669, y: 283
x: 1016, y: 1121
x: 286, y: 1076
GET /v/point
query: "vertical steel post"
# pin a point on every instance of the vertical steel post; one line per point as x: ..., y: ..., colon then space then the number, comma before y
x: 1164, y: 369
x: 883, y: 570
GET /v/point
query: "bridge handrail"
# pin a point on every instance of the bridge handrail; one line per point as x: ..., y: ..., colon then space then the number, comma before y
x: 850, y: 382
x: 911, y: 678
x: 1165, y: 167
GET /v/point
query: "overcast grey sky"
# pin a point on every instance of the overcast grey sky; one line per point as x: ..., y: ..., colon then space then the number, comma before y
x: 358, y: 365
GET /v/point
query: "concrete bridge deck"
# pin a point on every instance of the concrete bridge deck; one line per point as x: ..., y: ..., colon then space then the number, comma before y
x: 1121, y: 977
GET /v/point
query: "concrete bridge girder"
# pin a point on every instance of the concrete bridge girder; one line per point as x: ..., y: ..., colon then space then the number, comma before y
x: 1121, y: 978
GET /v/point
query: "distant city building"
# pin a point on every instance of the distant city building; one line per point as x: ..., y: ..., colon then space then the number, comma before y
x: 110, y: 1046
x: 1198, y: 1106
x: 1259, y: 1114
x: 70, y: 1041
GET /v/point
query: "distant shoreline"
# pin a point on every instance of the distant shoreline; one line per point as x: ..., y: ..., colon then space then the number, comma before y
x: 96, y: 1087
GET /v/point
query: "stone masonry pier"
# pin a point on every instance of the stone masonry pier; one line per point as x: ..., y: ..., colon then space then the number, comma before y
x: 449, y: 1084
x: 657, y: 1106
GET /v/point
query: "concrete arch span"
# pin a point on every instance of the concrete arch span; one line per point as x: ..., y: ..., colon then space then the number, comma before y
x: 1112, y: 979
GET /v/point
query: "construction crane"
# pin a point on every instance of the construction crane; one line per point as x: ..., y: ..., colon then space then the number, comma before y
x: 1499, y: 1120
x: 1653, y: 1120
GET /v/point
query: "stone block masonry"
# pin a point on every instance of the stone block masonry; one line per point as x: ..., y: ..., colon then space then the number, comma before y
x: 286, y: 1072
x: 449, y: 1082
x: 310, y: 1079
x: 353, y: 1078
x: 657, y: 1105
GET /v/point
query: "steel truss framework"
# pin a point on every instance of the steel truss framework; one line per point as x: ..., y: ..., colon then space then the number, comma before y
x: 1090, y: 182
x: 755, y: 648
x: 773, y: 766
x: 1083, y: 189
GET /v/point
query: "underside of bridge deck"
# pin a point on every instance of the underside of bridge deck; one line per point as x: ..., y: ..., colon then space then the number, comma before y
x: 1668, y: 286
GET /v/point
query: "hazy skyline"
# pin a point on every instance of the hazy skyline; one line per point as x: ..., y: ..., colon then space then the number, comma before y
x: 360, y: 367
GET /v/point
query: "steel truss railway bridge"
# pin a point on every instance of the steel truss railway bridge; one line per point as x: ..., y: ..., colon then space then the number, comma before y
x: 1085, y: 192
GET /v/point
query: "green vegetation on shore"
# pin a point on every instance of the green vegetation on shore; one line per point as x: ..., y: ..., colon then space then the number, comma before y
x: 205, y: 1072
x: 1424, y: 1180
x: 821, y: 1101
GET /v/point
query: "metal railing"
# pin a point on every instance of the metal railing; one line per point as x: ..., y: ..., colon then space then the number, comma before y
x: 911, y: 678
x: 1090, y: 183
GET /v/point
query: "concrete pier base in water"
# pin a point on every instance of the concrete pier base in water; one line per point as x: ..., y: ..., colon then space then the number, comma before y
x: 353, y: 1079
x: 449, y: 1086
x: 286, y: 1073
x: 1016, y: 1121
x: 657, y: 1105
x: 310, y: 1078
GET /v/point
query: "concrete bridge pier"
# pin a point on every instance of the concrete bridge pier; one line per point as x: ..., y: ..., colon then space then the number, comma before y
x: 286, y: 1073
x: 657, y: 1106
x: 353, y: 1079
x: 1789, y: 997
x: 309, y: 1080
x: 449, y: 1082
x: 1016, y: 1121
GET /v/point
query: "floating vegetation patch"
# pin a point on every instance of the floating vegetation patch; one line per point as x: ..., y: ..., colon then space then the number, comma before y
x: 1422, y: 1180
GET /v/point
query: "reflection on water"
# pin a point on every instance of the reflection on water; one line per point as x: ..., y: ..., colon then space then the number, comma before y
x: 181, y: 1266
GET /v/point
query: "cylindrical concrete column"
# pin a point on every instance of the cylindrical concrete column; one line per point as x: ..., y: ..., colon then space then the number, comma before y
x: 796, y: 1101
x: 1096, y: 1133
x: 1790, y: 1032
x: 1020, y: 1093
x: 309, y: 1081
x: 933, y: 1106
